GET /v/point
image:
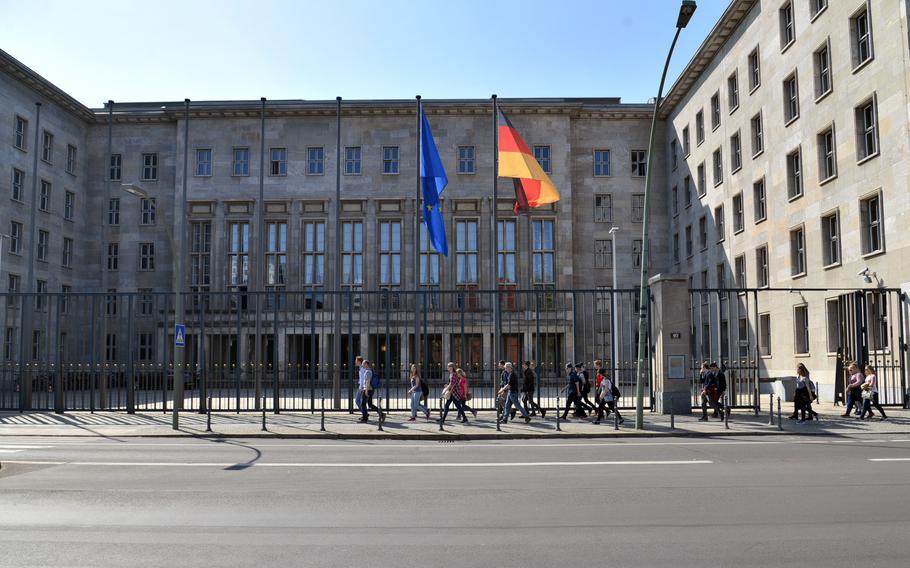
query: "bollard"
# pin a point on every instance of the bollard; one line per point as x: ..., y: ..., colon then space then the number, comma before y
x: 498, y: 415
x: 381, y: 413
x: 615, y: 420
x: 558, y: 429
x: 441, y: 403
x: 208, y: 416
x: 322, y: 413
x: 780, y: 425
x: 672, y: 416
x: 264, y: 429
x: 726, y: 413
x: 771, y: 409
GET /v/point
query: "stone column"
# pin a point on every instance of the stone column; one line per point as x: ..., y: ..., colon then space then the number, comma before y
x: 671, y: 330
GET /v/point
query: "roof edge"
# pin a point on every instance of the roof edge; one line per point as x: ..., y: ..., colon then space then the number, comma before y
x: 43, y: 87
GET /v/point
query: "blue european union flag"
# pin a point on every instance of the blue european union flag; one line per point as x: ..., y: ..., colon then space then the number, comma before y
x: 433, y: 180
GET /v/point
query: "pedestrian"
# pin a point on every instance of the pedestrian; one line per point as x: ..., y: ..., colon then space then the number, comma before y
x: 528, y: 386
x: 573, y: 393
x: 802, y: 396
x: 455, y: 395
x: 720, y: 380
x: 709, y: 394
x: 585, y: 387
x: 466, y: 389
x: 512, y: 394
x: 811, y: 394
x: 416, y: 393
x: 870, y: 394
x: 605, y: 394
x: 367, y: 394
x: 358, y: 398
x: 855, y: 391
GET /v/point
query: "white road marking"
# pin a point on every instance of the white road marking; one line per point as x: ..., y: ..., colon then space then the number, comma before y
x: 10, y: 451
x: 889, y: 459
x: 18, y: 447
x: 365, y: 465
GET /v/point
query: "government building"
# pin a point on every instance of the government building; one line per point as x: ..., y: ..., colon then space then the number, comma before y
x: 779, y: 199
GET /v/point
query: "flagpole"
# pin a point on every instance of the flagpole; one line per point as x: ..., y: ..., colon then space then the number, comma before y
x: 418, y: 210
x: 336, y: 279
x: 260, y: 273
x: 494, y: 274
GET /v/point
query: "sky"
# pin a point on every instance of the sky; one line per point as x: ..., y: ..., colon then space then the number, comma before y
x: 168, y: 50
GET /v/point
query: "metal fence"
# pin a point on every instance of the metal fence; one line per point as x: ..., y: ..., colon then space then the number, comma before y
x: 115, y: 351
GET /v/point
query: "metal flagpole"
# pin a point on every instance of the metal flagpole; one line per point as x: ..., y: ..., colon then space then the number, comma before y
x: 336, y: 279
x: 494, y: 274
x: 418, y: 209
x: 260, y: 259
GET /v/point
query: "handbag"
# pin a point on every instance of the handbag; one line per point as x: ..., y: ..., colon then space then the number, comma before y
x: 867, y: 395
x: 468, y: 396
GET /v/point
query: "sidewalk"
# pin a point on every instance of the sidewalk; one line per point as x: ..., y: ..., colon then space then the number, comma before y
x: 396, y: 426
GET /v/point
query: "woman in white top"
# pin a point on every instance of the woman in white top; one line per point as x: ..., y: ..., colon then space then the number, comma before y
x: 869, y: 400
x: 416, y: 393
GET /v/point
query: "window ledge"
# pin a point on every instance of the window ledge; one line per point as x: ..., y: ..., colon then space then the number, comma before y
x: 788, y: 46
x: 873, y: 253
x: 47, y: 162
x: 715, y: 127
x: 308, y: 173
x: 824, y: 95
x: 699, y: 142
x: 19, y: 201
x: 795, y: 197
x: 472, y: 173
x: 759, y: 153
x: 802, y: 355
x: 798, y: 276
x: 862, y: 65
x: 716, y: 183
x: 148, y: 179
x: 689, y: 205
x: 23, y: 150
x: 755, y: 88
x: 240, y: 175
x: 71, y: 173
x: 791, y: 121
x: 768, y: 356
x: 734, y: 109
x: 828, y: 179
x: 762, y: 220
x: 736, y: 171
x: 738, y: 231
x: 812, y: 19
x: 202, y: 175
x: 832, y: 265
x: 867, y: 158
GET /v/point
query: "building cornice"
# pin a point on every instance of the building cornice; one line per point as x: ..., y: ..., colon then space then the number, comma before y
x: 19, y: 71
x: 720, y: 33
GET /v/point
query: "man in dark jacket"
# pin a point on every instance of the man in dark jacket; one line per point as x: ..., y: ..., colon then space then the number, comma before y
x: 528, y: 386
x: 709, y: 394
x: 573, y: 393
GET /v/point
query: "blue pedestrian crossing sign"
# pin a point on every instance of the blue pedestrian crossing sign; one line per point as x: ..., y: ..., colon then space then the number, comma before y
x: 179, y: 335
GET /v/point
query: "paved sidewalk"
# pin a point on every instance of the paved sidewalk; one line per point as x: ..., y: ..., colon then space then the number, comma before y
x: 396, y: 426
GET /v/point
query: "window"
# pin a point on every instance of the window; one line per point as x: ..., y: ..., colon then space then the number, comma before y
x: 149, y: 167
x: 15, y: 237
x: 687, y: 191
x: 686, y: 147
x: 544, y: 251
x: 754, y: 70
x: 866, y: 130
x: 390, y: 253
x: 872, y: 230
x: 146, y: 256
x: 147, y: 211
x: 114, y: 168
x: 676, y: 247
x: 797, y: 252
x: 733, y: 91
x: 794, y: 174
x: 603, y: 208
x: 758, y: 197
x: 702, y: 187
x: 429, y: 259
x: 640, y: 162
x: 822, y: 60
x: 67, y: 256
x: 146, y: 350
x: 276, y: 254
x: 831, y: 239
x: 466, y: 163
x: 203, y: 162
x: 787, y: 31
x: 674, y: 201
x: 145, y: 301
x: 36, y: 344
x: 240, y: 162
x: 689, y: 245
x: 861, y: 37
x: 674, y: 162
x: 43, y: 243
x: 541, y: 154
x: 715, y: 110
x: 239, y: 253
x: 699, y: 127
x: 18, y: 182
x: 113, y: 256
x: 636, y: 253
x: 832, y: 311
x: 113, y: 211
x: 703, y: 232
x: 506, y: 253
x: 69, y: 205
x: 44, y: 197
x: 19, y: 140
x: 603, y: 253
x: 47, y: 147
x: 110, y: 347
x: 200, y: 256
x: 736, y: 153
x: 638, y: 207
x: 352, y: 160
x: 390, y: 159
x: 761, y: 265
x: 801, y: 330
x: 719, y: 227
x: 758, y: 141
x: 738, y: 214
x: 315, y: 161
x: 717, y: 163
x: 827, y: 159
x: 278, y: 161
x: 739, y: 264
x: 314, y: 254
x: 816, y: 7
x: 70, y: 159
x: 352, y: 254
x: 877, y: 303
x: 601, y: 163
x: 466, y: 251
x: 791, y: 99
x: 40, y: 298
x: 8, y: 344
x: 721, y: 273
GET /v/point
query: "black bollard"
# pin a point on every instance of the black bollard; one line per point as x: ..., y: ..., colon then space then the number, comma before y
x: 780, y: 425
x: 498, y: 415
x: 757, y: 402
x: 264, y: 429
x: 726, y: 413
x: 322, y: 413
x: 441, y: 404
x: 558, y: 429
x: 771, y: 409
x: 672, y: 416
x: 381, y: 413
x: 616, y: 421
x: 208, y: 416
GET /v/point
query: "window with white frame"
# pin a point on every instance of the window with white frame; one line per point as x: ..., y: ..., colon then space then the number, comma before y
x: 36, y: 344
x: 149, y: 167
x: 47, y: 147
x: 113, y: 256
x: 145, y: 301
x: 761, y: 266
x: 702, y: 187
x: 544, y: 251
x: 278, y: 161
x: 507, y: 253
x: 111, y: 302
x: 718, y: 166
x: 113, y: 211
x: 719, y: 228
x: 147, y: 211
x: 791, y: 98
x: 8, y: 344
x: 390, y: 159
x: 758, y: 137
x: 146, y: 351
x: 21, y: 136
x: 41, y: 298
x: 114, y: 167
x: 831, y: 239
x: 764, y: 335
x: 466, y: 164
x: 390, y: 253
x: 603, y: 253
x: 689, y: 245
x: 797, y: 251
x: 70, y: 159
x: 754, y: 70
x: 733, y: 91
x: 276, y: 254
x: 715, y: 110
x: 827, y: 158
x: 687, y: 191
x: 314, y: 254
x: 44, y: 197
x: 674, y: 162
x: 352, y: 160
x: 466, y: 251
x: 736, y: 152
x: 833, y: 321
x: 240, y: 162
x: 861, y: 36
x: 315, y: 161
x: 703, y: 232
x: 201, y: 256
x: 676, y: 247
x: 67, y: 256
x: 44, y: 239
x: 541, y: 154
x: 787, y: 29
x: 816, y: 7
x: 738, y: 213
x: 674, y: 201
x: 239, y: 254
x: 720, y: 273
x: 739, y: 265
x: 69, y: 205
x: 794, y: 174
x: 758, y: 200
x: 18, y: 183
x: 872, y: 229
x: 603, y: 208
x: 429, y: 259
x: 822, y: 60
x: 801, y: 330
x: 636, y: 253
x: 866, y: 130
x: 699, y: 127
x: 638, y: 207
x: 15, y: 237
x: 640, y: 162
x: 601, y: 163
x: 685, y: 140
x: 352, y: 254
x: 203, y: 162
x: 146, y: 256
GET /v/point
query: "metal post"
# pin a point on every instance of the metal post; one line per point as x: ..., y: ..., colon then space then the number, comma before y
x: 441, y: 404
x: 322, y: 411
x: 259, y: 274
x: 771, y: 409
x: 614, y: 343
x: 208, y: 415
x: 379, y: 404
x: 615, y: 421
x: 494, y: 274
x: 179, y: 350
x: 264, y: 429
x: 726, y: 413
x: 780, y: 424
x: 499, y: 411
x: 558, y: 429
x: 672, y: 416
x: 336, y: 279
x: 418, y: 211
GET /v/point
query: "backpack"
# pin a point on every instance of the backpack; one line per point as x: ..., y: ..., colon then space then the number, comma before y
x: 721, y: 382
x: 614, y: 391
x: 424, y: 387
x: 375, y: 380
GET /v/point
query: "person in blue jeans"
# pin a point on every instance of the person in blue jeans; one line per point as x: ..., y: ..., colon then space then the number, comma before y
x: 511, y: 394
x: 416, y: 392
x: 361, y: 373
x: 455, y: 395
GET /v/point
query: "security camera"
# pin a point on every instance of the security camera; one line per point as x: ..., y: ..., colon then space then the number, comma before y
x: 863, y: 272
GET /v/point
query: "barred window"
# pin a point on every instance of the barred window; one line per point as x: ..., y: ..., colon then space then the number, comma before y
x: 276, y: 254
x: 638, y: 207
x: 466, y: 159
x: 241, y: 162
x: 352, y: 253
x: 352, y: 160
x: 542, y: 155
x: 315, y: 161
x: 239, y: 253
x: 603, y: 253
x: 601, y: 163
x: 390, y: 253
x: 278, y: 161
x: 507, y: 252
x: 794, y: 174
x: 603, y: 208
x: 314, y: 254
x: 149, y: 167
x: 204, y: 162
x: 466, y: 249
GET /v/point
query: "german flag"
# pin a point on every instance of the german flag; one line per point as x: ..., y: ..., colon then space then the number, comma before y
x: 533, y: 186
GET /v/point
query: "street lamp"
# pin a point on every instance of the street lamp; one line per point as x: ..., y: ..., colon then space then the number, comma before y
x: 615, y: 338
x: 686, y: 9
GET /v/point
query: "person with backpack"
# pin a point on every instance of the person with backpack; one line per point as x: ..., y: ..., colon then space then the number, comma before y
x: 528, y: 386
x: 466, y: 389
x: 709, y: 394
x: 511, y: 395
x: 371, y: 384
x: 358, y: 398
x: 456, y: 395
x: 585, y: 387
x: 416, y: 392
x: 573, y: 393
x: 720, y: 380
x: 606, y: 396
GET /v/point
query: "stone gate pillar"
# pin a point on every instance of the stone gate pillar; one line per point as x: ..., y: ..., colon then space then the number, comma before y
x: 671, y: 333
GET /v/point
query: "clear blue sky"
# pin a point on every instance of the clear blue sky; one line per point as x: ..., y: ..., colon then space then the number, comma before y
x: 317, y: 49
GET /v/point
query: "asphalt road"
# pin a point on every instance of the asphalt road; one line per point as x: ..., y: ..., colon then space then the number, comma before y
x: 659, y: 502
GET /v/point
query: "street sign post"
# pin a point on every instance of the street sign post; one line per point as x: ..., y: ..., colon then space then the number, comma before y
x: 179, y: 335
